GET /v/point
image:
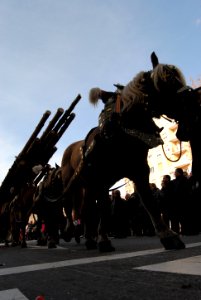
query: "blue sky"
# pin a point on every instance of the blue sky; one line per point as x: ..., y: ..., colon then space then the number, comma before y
x: 53, y: 50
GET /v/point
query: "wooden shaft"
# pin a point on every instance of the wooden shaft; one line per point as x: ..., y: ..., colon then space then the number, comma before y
x: 52, y: 123
x: 35, y: 132
x: 66, y: 124
x: 67, y: 113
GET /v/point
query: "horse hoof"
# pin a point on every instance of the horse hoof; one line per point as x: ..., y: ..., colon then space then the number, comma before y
x: 105, y: 246
x: 68, y: 233
x: 41, y: 243
x: 14, y: 244
x: 91, y: 244
x: 67, y: 239
x: 24, y: 245
x: 51, y: 245
x: 172, y: 243
x: 77, y: 239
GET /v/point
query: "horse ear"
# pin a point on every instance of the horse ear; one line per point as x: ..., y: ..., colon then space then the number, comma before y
x: 154, y: 60
x: 56, y: 166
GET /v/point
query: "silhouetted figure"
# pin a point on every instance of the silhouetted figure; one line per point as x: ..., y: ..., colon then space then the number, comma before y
x: 166, y: 195
x: 181, y: 195
x: 119, y: 215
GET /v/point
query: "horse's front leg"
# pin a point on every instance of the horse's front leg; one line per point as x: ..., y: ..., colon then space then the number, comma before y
x: 168, y: 238
x: 15, y: 233
x: 23, y: 235
x: 90, y: 219
x: 104, y: 209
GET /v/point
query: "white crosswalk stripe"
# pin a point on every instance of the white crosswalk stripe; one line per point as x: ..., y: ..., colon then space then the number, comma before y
x: 188, y: 266
x: 81, y: 261
x: 12, y: 294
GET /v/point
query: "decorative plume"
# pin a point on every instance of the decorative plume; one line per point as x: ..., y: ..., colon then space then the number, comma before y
x: 94, y: 95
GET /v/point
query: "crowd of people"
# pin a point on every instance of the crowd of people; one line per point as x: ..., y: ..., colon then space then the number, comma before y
x: 176, y: 201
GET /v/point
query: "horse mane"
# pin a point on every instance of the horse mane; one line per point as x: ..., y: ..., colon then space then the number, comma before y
x: 133, y: 92
x: 163, y: 74
x: 163, y: 78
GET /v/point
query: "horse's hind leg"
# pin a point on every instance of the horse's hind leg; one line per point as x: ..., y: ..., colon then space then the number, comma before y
x: 72, y: 208
x: 168, y: 238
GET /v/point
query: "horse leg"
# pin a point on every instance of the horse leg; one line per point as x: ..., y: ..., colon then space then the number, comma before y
x: 23, y: 232
x: 15, y: 233
x: 5, y: 228
x: 168, y: 238
x: 90, y: 220
x: 68, y: 232
x: 77, y: 213
x: 73, y: 210
x: 51, y: 226
x: 104, y: 209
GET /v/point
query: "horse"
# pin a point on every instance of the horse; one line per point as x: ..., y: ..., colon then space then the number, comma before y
x: 19, y: 213
x: 48, y: 206
x: 5, y: 223
x: 189, y: 128
x: 119, y: 147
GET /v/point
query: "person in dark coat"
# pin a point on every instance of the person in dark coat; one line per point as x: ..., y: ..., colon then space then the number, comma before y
x: 181, y: 196
x: 166, y: 194
x: 119, y: 215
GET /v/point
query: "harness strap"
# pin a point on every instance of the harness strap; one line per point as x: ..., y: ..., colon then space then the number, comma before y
x: 149, y: 139
x: 118, y: 104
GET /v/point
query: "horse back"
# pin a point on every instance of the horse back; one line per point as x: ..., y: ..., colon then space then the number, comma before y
x: 71, y: 159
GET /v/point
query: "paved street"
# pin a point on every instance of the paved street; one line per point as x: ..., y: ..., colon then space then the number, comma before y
x: 139, y: 269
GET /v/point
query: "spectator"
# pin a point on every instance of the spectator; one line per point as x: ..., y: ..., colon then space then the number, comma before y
x: 166, y: 194
x: 119, y: 215
x: 179, y: 209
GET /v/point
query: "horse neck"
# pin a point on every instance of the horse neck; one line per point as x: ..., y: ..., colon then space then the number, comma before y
x: 137, y: 118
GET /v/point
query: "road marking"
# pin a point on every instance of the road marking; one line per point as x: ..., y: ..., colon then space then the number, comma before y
x: 13, y: 294
x: 82, y: 261
x: 34, y: 246
x: 74, y: 262
x: 188, y: 266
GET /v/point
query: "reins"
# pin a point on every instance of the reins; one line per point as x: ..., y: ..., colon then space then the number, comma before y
x: 180, y: 153
x: 118, y: 187
x: 180, y: 148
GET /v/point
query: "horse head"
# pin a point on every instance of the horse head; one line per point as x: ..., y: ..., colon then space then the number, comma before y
x: 156, y: 89
x: 186, y: 106
x: 150, y: 94
x: 52, y: 183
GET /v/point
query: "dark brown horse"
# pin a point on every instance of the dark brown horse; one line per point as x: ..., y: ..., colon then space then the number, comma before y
x: 189, y: 128
x: 49, y: 207
x: 19, y: 213
x: 119, y: 147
